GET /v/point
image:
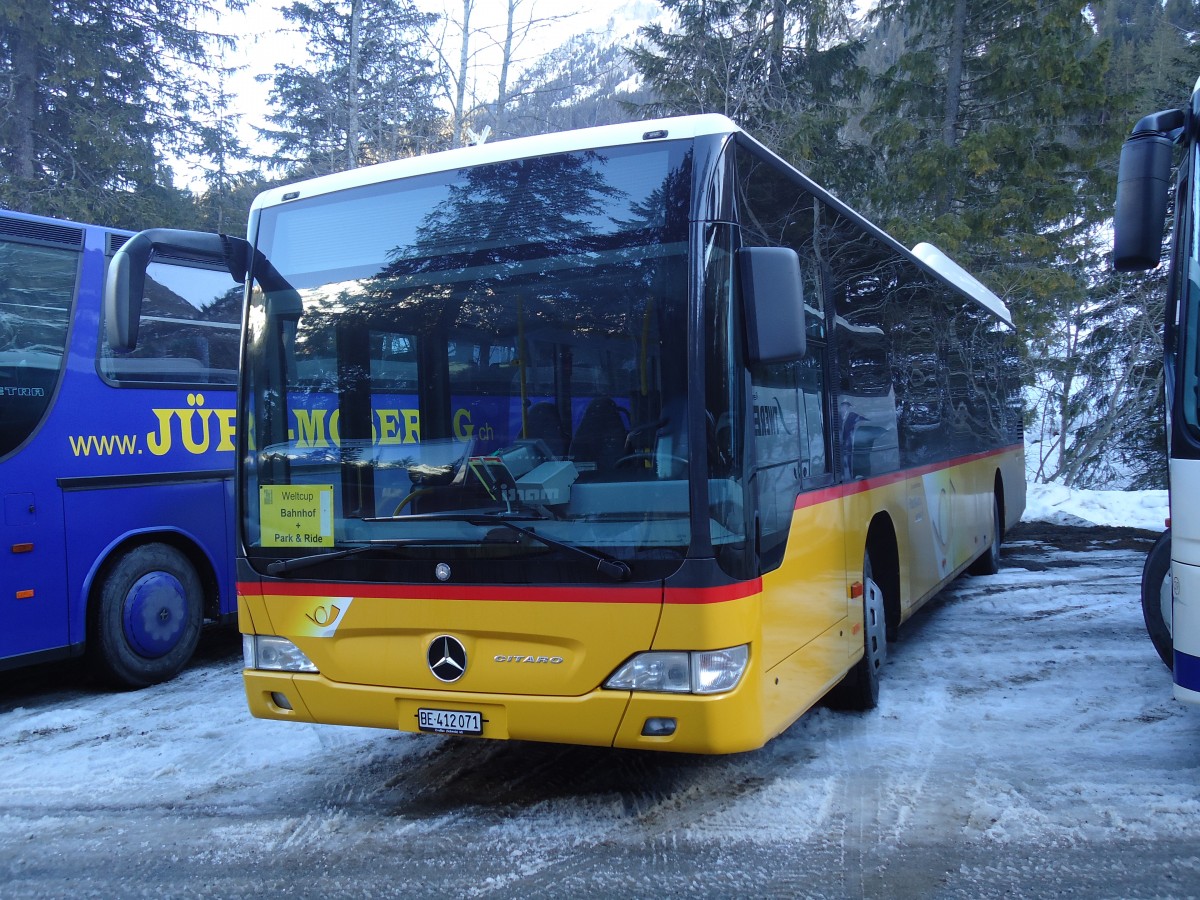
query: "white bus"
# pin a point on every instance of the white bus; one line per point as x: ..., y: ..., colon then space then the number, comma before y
x: 1171, y: 578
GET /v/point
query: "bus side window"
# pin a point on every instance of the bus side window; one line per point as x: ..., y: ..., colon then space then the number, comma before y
x: 791, y: 436
x: 869, y: 282
x: 37, y: 291
x: 188, y: 332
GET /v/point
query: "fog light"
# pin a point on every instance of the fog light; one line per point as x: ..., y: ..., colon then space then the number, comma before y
x: 280, y: 700
x: 658, y: 727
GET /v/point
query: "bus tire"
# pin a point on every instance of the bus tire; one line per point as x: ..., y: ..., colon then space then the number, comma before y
x: 1156, y: 598
x: 989, y: 563
x: 146, y: 617
x: 859, y: 690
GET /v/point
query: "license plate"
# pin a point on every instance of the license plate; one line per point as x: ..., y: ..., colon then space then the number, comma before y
x: 448, y: 721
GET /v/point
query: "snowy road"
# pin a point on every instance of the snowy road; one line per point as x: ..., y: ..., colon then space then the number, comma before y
x: 1026, y: 745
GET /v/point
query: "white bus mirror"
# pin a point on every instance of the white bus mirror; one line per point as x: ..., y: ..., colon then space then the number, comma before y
x: 1143, y: 188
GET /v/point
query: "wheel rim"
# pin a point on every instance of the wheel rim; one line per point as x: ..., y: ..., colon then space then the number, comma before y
x: 154, y: 614
x: 876, y: 626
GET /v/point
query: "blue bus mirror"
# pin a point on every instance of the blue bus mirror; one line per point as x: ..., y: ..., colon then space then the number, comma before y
x: 773, y: 297
x: 123, y: 289
x: 125, y: 285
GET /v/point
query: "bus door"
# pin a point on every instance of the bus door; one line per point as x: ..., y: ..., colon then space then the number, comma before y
x: 39, y: 268
x: 800, y: 517
x: 39, y: 273
x: 33, y: 607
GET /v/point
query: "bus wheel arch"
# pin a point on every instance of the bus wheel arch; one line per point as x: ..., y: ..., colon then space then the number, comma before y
x: 883, y: 550
x: 145, y: 610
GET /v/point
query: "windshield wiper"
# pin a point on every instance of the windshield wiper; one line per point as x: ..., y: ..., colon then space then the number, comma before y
x: 612, y: 568
x: 284, y: 566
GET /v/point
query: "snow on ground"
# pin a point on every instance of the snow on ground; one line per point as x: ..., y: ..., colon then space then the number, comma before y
x: 1026, y: 745
x: 1071, y: 506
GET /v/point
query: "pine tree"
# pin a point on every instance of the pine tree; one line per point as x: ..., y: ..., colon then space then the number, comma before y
x: 98, y: 90
x: 993, y: 141
x: 364, y: 95
x: 223, y: 159
x: 782, y: 69
x: 1114, y: 414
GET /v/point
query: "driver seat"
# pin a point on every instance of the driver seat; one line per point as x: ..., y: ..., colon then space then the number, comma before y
x: 600, y: 437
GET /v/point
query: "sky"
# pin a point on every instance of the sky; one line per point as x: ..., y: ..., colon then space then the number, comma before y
x: 265, y: 40
x: 1026, y: 743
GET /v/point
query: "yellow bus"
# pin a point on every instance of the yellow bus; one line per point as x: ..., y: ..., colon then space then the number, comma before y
x: 630, y: 436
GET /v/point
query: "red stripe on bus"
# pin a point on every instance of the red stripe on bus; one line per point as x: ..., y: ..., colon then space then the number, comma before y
x: 824, y: 495
x: 615, y: 594
x: 527, y: 593
x: 523, y: 594
x: 721, y: 594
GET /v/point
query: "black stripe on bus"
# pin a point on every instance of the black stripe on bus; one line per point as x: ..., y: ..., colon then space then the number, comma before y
x: 108, y: 482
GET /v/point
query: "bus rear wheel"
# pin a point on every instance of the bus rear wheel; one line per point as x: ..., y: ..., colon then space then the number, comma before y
x: 989, y: 563
x: 1156, y: 598
x: 859, y: 690
x: 146, y: 616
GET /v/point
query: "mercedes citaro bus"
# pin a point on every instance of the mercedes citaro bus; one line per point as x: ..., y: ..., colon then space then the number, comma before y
x: 631, y: 436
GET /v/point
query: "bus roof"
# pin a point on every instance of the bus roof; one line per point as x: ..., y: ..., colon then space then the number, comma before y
x: 591, y: 138
x: 961, y: 278
x: 502, y: 151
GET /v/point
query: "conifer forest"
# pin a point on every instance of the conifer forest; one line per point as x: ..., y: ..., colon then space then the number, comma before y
x: 991, y: 128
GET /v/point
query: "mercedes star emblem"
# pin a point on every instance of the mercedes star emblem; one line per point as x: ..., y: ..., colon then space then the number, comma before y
x: 447, y: 658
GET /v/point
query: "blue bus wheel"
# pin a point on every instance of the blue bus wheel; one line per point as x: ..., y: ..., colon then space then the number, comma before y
x: 146, y: 616
x: 1156, y: 598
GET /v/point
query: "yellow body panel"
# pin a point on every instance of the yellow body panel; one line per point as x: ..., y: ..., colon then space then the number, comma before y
x: 591, y: 719
x: 806, y: 595
x: 381, y: 640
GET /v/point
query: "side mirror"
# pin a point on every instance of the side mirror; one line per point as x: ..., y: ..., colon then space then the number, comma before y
x: 1143, y: 189
x: 125, y: 285
x: 773, y: 296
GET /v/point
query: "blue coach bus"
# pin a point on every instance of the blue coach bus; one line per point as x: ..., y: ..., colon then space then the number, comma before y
x: 115, y: 468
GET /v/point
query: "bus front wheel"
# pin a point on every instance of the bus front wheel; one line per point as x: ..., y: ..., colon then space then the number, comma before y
x: 859, y: 690
x: 1156, y: 597
x: 146, y: 617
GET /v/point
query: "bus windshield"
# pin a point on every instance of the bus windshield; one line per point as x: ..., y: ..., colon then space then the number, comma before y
x: 442, y: 356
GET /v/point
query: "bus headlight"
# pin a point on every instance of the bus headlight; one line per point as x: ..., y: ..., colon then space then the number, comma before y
x: 268, y: 651
x: 679, y: 672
